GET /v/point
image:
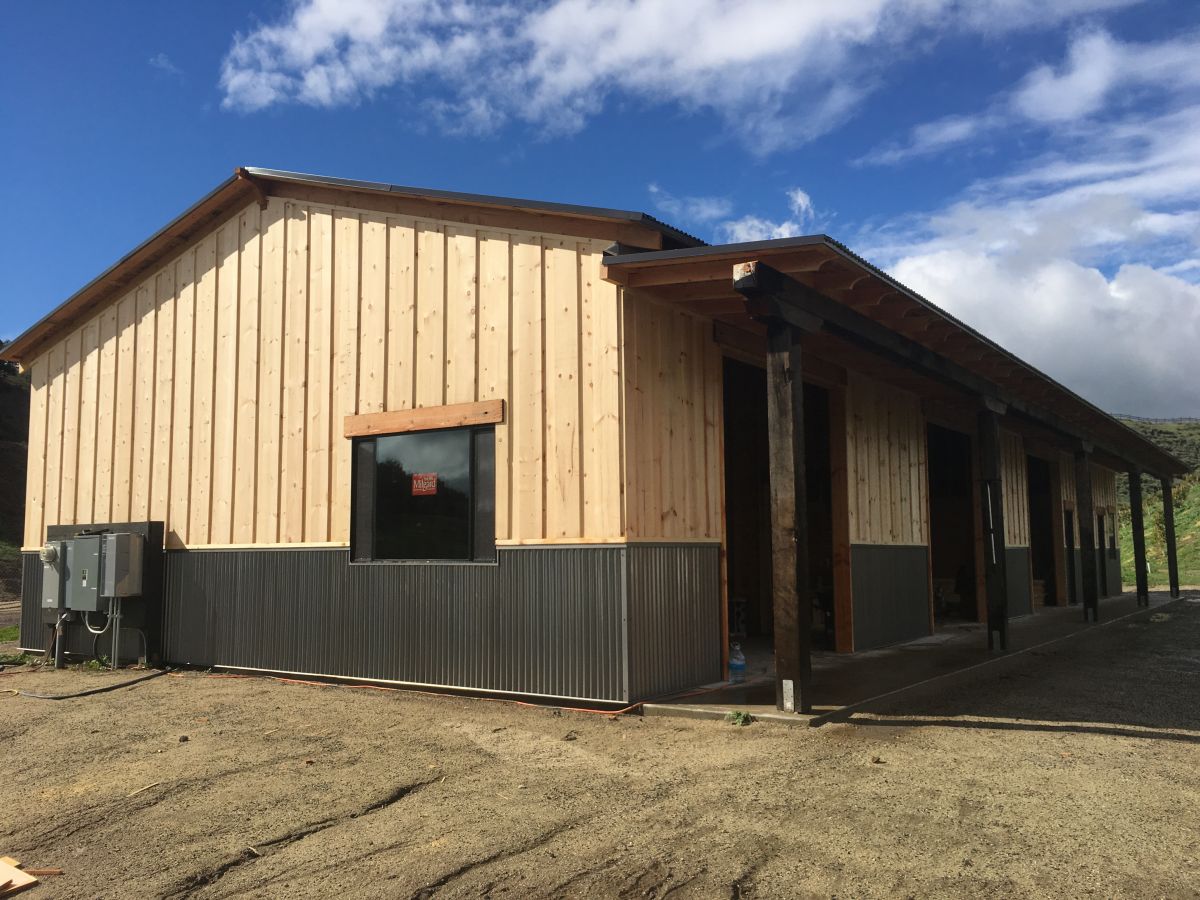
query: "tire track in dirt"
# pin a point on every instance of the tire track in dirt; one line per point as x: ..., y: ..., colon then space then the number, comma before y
x: 97, y: 812
x: 210, y: 876
x: 544, y: 838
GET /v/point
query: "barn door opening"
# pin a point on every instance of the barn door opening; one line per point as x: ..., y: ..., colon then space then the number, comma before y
x: 951, y: 525
x: 748, y: 515
x: 1041, y: 532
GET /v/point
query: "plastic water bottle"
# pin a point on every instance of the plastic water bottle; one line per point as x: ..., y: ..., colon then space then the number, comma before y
x: 737, y: 664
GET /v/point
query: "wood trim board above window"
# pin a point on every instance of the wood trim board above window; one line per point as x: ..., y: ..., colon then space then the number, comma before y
x: 456, y: 415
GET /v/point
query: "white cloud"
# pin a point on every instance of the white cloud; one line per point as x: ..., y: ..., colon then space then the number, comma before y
x: 1126, y: 342
x: 163, y: 63
x: 1078, y: 90
x: 802, y: 206
x: 690, y: 210
x: 756, y: 228
x: 804, y: 220
x: 932, y: 137
x: 780, y: 71
x: 1097, y: 68
x: 1084, y: 262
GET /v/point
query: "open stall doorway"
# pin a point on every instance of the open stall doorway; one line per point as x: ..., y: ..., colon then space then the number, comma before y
x: 951, y: 525
x: 748, y: 514
x: 1041, y: 533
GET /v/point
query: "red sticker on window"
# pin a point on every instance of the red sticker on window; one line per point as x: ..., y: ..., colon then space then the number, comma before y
x: 424, y: 484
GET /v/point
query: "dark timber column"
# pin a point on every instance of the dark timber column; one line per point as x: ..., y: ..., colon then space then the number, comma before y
x: 1169, y: 534
x: 992, y: 506
x: 767, y: 300
x: 789, y: 530
x: 1139, y: 537
x: 1086, y: 512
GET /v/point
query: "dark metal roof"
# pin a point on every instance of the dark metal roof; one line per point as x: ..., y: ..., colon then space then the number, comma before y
x: 749, y: 249
x: 570, y: 209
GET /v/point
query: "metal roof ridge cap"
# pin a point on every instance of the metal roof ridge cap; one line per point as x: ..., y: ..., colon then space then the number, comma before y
x: 466, y: 197
x: 684, y: 253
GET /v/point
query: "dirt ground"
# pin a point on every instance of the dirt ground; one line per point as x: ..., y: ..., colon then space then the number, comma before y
x: 1069, y: 771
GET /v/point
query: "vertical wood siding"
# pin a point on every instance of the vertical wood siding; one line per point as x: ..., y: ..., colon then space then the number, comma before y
x: 1066, y: 476
x: 673, y: 424
x: 1014, y: 472
x: 886, y: 464
x: 212, y: 394
x: 1104, y: 496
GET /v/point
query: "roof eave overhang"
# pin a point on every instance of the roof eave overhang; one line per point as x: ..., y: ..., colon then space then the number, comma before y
x: 674, y: 267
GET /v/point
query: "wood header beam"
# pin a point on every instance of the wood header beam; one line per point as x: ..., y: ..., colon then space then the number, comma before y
x: 428, y: 418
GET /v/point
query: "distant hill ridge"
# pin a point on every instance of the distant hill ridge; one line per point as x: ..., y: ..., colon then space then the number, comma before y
x: 1181, y: 420
x: 1180, y: 436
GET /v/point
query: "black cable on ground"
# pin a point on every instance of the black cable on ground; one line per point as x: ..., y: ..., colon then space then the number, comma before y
x: 88, y: 693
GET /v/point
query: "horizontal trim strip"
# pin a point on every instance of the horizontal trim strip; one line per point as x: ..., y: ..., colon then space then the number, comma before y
x: 897, y: 546
x: 427, y: 418
x: 504, y: 544
x: 455, y: 689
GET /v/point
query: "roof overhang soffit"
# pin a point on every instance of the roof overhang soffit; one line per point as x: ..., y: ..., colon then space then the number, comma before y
x: 882, y: 317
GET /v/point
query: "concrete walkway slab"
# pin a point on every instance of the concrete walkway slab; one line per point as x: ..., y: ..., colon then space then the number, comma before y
x: 842, y: 680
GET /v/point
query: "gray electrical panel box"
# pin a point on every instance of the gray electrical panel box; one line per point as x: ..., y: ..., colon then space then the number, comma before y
x: 123, y: 564
x: 83, y: 574
x: 54, y: 575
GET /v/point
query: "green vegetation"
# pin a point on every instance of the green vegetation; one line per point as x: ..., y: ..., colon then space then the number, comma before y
x: 739, y: 717
x: 1182, y: 439
x: 9, y: 633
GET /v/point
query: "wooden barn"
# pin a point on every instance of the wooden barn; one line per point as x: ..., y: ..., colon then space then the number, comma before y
x: 515, y: 447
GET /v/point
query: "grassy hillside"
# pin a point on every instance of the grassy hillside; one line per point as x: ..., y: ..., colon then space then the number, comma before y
x: 1183, y: 439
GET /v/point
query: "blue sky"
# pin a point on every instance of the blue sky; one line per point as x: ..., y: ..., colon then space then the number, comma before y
x: 1034, y: 167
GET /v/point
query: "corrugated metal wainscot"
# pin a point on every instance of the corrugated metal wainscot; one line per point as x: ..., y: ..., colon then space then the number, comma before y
x: 33, y: 635
x: 891, y: 594
x: 611, y: 623
x: 1020, y: 587
x: 674, y: 597
x: 539, y: 621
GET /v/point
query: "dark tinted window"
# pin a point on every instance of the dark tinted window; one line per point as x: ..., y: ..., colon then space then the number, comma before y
x: 425, y: 495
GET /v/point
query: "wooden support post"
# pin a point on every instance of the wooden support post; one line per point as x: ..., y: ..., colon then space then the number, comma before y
x: 1058, y: 534
x: 1085, y: 511
x: 1169, y: 534
x: 789, y: 529
x: 991, y: 496
x: 1138, y: 527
